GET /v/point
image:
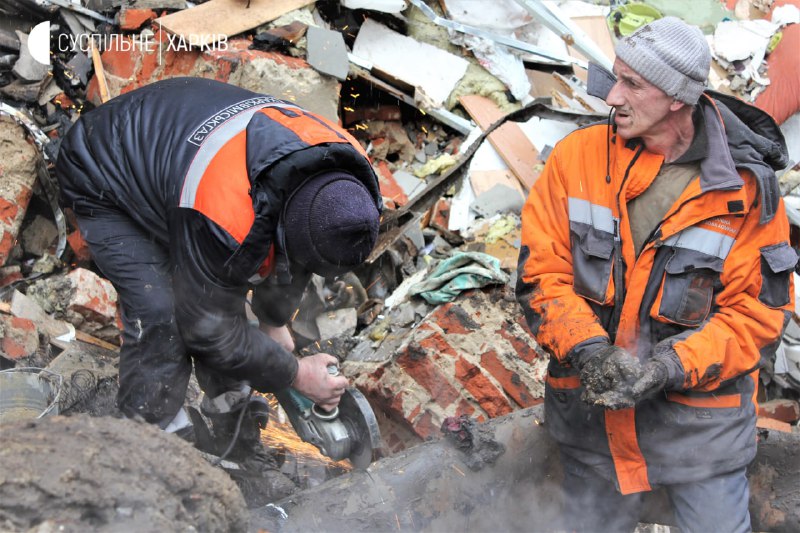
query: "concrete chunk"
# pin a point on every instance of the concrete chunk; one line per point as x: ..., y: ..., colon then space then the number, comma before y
x: 327, y: 52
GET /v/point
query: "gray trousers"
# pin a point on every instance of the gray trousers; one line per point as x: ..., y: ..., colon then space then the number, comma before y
x: 593, y: 504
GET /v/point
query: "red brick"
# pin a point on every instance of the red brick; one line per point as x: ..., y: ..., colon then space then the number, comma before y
x: 436, y: 343
x: 94, y: 297
x: 180, y: 63
x: 149, y: 65
x: 416, y: 361
x: 6, y: 244
x: 464, y: 408
x: 764, y: 422
x: 510, y: 381
x: 9, y: 275
x: 441, y: 214
x: 79, y: 246
x: 389, y: 187
x: 21, y: 338
x: 485, y: 393
x: 133, y: 19
x: 121, y: 64
x: 785, y: 410
x: 63, y: 101
x: 8, y: 211
x: 425, y: 427
x: 522, y: 344
x: 452, y: 318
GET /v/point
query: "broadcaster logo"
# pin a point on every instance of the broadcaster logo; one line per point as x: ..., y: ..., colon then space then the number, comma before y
x: 39, y: 43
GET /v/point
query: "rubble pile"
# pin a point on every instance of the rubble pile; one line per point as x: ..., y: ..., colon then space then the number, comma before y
x: 457, y: 103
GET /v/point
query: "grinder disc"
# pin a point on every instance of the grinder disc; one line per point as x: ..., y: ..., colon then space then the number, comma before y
x: 356, y: 414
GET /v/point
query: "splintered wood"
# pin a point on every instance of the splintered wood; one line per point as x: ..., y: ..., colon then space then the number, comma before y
x: 509, y: 140
x: 217, y: 19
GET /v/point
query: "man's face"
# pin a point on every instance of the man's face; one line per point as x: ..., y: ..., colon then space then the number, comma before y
x: 641, y: 108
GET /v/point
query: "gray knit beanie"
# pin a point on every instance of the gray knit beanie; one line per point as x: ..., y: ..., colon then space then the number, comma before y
x: 670, y: 54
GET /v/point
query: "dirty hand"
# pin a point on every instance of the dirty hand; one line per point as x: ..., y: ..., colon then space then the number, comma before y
x: 279, y: 334
x: 317, y: 384
x: 607, y: 373
x: 653, y: 379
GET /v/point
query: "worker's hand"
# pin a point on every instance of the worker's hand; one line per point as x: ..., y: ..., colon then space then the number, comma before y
x: 279, y: 334
x: 607, y: 373
x: 317, y: 384
x: 653, y: 379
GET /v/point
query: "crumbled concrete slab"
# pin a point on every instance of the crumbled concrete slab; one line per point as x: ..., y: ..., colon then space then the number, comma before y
x: 500, y: 199
x: 39, y: 236
x: 336, y: 323
x: 26, y: 67
x: 327, y: 52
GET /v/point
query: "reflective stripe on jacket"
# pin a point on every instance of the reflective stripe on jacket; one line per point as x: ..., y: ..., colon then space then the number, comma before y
x: 206, y: 168
x: 714, y: 279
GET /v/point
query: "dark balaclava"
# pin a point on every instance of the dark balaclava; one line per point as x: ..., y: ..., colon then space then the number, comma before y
x: 330, y: 223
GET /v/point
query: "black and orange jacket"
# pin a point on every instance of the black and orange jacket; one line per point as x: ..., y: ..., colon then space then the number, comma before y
x: 713, y: 280
x: 206, y: 168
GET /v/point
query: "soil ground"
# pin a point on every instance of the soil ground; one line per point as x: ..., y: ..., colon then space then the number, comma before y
x: 83, y: 473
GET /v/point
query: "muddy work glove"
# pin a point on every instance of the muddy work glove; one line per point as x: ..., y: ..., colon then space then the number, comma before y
x: 607, y: 373
x: 655, y: 372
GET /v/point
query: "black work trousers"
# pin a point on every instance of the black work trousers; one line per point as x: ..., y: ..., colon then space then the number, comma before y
x: 154, y: 367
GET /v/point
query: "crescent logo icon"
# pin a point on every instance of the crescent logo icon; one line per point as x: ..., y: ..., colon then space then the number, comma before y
x: 39, y: 43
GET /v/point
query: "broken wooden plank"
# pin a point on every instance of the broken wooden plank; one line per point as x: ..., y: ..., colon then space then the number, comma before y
x: 596, y: 28
x: 587, y: 102
x: 509, y: 140
x: 483, y: 180
x: 214, y: 20
x: 99, y: 72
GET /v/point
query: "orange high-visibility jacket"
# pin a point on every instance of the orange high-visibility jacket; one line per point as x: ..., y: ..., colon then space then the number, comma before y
x: 714, y: 281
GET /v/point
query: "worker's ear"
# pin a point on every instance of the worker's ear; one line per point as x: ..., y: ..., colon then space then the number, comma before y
x: 677, y: 105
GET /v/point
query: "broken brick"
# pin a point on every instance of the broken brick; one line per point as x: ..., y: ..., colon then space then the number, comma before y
x: 389, y: 187
x: 79, y: 247
x: 265, y: 72
x: 510, y: 381
x: 784, y: 409
x: 133, y: 19
x: 485, y: 393
x: 440, y: 215
x: 417, y: 363
x: 94, y: 298
x: 20, y: 338
x: 18, y: 159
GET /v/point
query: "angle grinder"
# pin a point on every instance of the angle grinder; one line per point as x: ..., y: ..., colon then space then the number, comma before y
x: 349, y: 431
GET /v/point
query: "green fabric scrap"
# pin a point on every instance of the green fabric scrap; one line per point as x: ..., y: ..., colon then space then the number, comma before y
x: 462, y: 271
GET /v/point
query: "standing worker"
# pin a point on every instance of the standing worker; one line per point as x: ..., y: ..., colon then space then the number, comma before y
x: 655, y: 269
x: 190, y: 192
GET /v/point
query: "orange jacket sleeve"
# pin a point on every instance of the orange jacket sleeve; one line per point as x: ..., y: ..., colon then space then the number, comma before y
x: 558, y: 318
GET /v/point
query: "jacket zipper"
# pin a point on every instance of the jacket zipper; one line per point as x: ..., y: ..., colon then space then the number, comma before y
x: 619, y: 275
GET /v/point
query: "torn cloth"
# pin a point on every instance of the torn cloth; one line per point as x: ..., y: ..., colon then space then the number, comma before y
x: 460, y: 272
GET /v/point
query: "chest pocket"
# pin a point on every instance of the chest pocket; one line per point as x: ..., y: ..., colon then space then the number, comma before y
x: 592, y: 260
x: 687, y: 288
x: 777, y: 263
